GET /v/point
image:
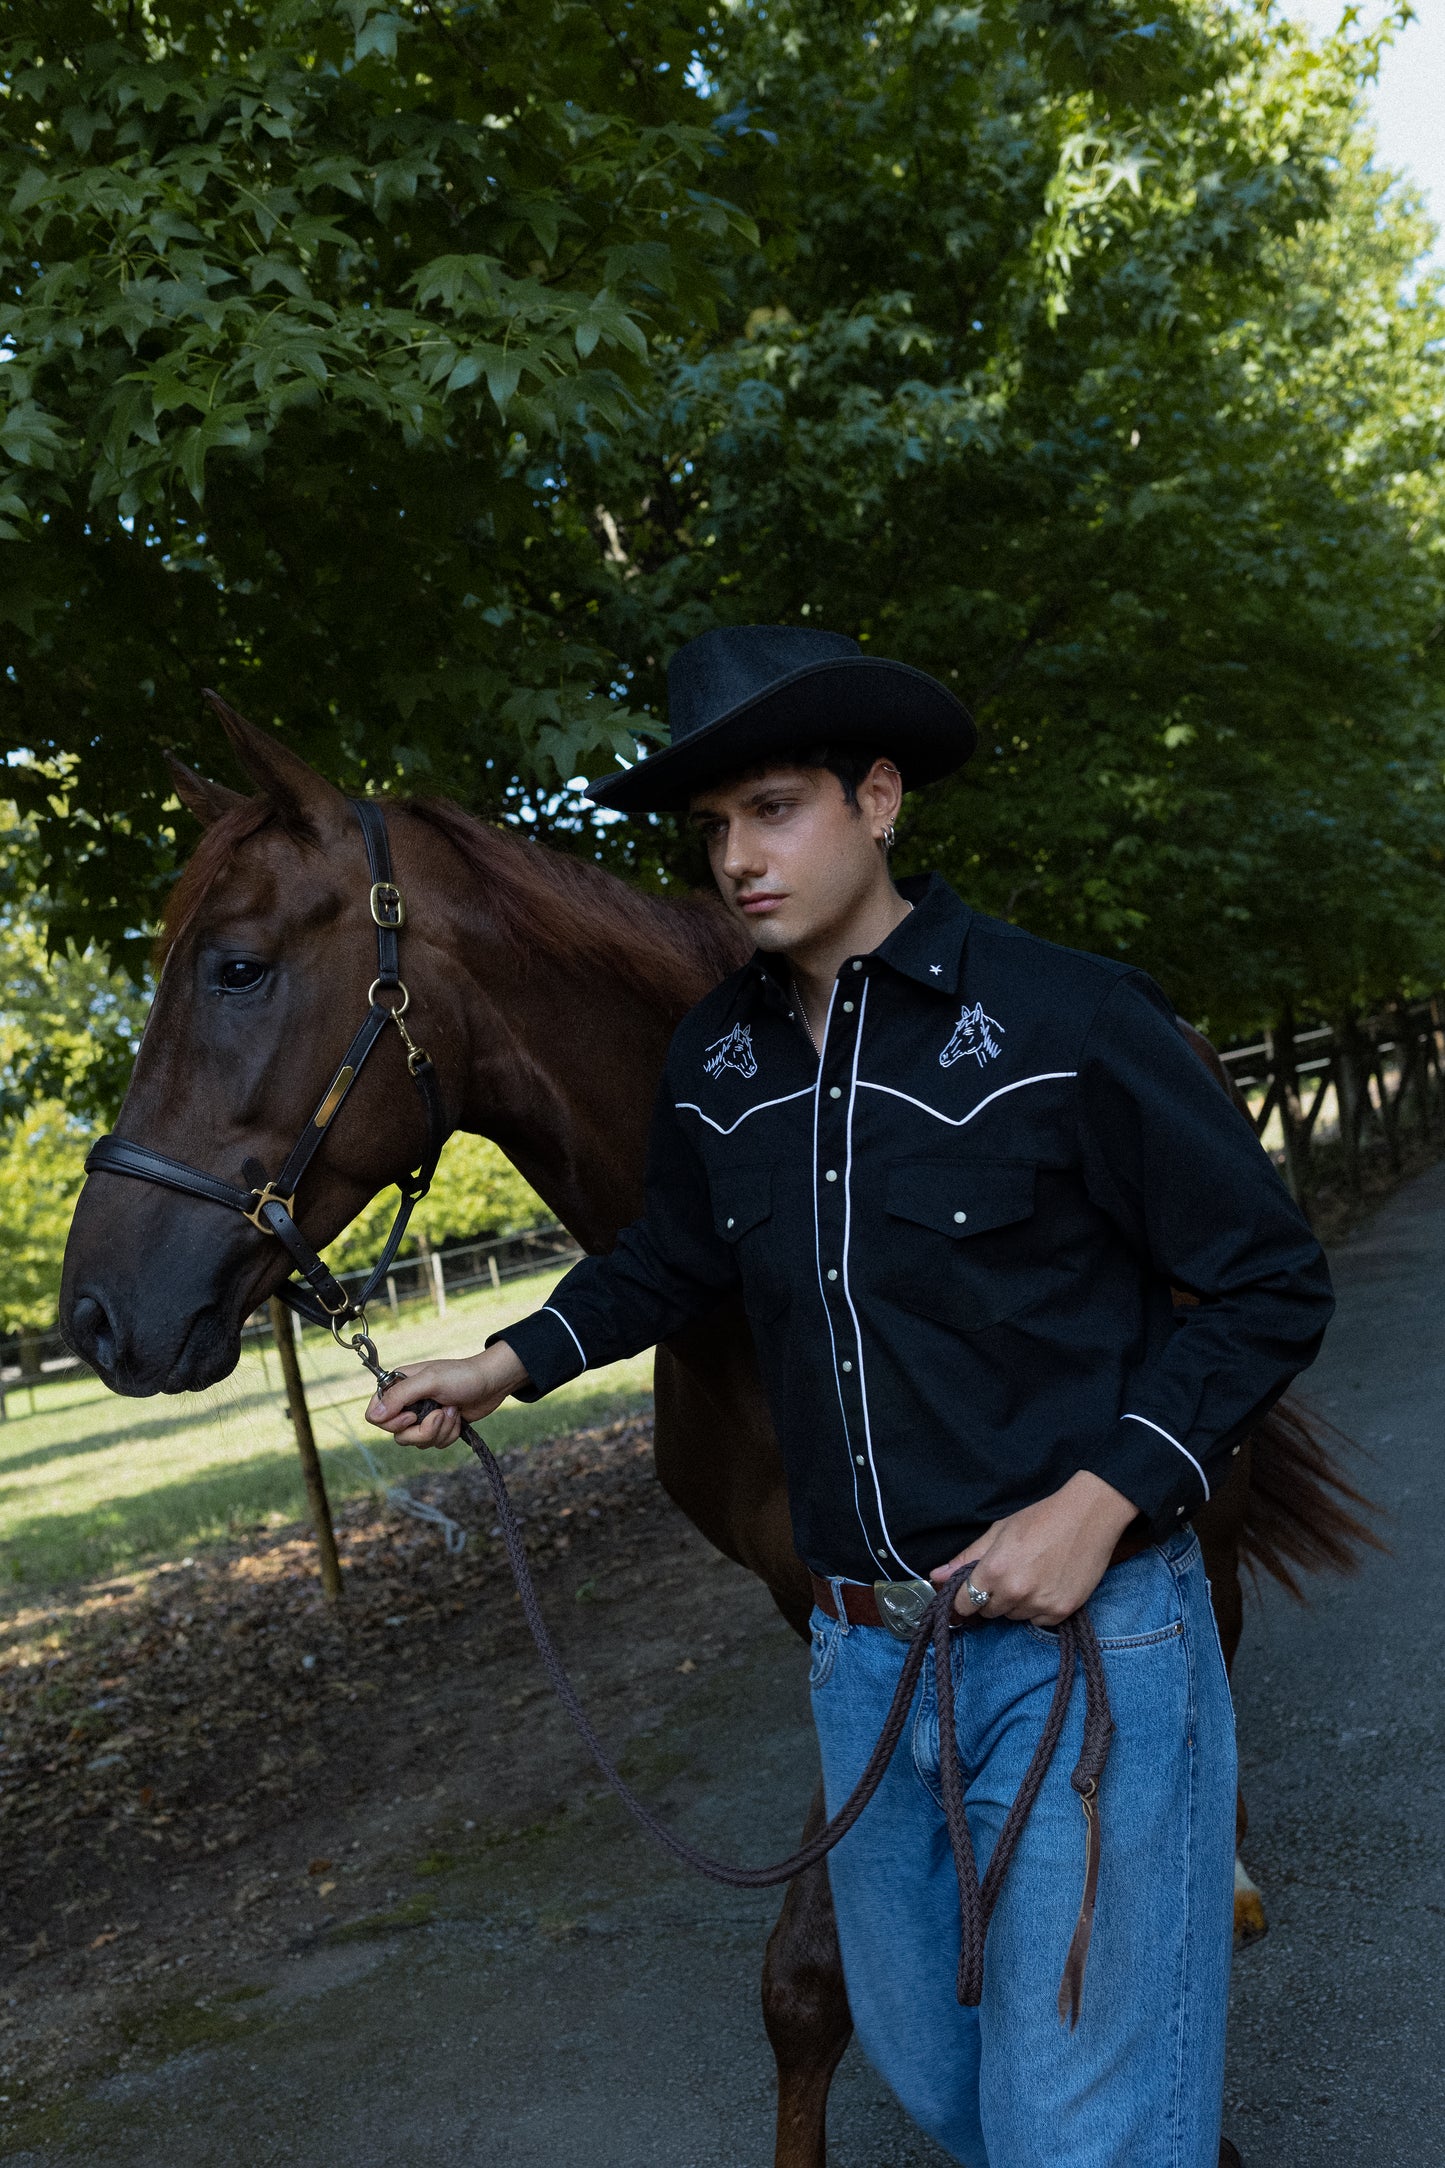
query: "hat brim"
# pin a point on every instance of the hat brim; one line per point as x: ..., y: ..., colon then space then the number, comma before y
x: 860, y: 701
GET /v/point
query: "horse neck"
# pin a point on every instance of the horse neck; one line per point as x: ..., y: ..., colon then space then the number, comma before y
x: 559, y: 1060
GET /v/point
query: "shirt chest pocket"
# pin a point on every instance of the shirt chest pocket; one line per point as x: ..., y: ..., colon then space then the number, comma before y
x: 959, y: 1242
x: 742, y: 1203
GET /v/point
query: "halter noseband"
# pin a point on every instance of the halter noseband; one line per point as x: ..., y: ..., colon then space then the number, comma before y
x: 270, y: 1205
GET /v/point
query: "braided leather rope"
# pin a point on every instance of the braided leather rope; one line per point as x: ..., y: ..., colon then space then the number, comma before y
x: 1078, y: 1646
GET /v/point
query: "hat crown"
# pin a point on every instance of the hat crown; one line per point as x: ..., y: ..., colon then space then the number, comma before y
x: 724, y: 669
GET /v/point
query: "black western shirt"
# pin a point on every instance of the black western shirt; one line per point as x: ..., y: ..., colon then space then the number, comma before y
x: 956, y: 1234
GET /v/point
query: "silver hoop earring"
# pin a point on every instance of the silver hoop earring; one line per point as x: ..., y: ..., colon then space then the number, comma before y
x: 889, y: 837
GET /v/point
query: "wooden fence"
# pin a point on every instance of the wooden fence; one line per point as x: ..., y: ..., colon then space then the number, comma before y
x: 1344, y: 1092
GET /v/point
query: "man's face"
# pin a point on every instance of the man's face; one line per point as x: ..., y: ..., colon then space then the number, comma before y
x: 792, y: 857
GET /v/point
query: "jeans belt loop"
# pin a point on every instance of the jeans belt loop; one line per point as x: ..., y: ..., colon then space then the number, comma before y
x: 835, y: 1582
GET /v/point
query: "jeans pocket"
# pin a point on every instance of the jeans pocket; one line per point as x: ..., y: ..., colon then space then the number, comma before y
x: 826, y: 1634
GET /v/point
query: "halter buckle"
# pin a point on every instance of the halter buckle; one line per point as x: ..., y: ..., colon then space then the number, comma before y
x: 269, y: 1194
x: 387, y: 906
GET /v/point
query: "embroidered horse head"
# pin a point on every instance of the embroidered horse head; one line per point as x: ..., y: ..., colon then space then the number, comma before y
x: 733, y: 1052
x: 974, y: 1034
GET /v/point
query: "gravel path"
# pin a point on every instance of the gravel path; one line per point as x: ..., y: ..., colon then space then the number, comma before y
x: 563, y: 1996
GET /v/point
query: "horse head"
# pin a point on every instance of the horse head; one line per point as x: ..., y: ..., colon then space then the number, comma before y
x: 974, y: 1034
x: 734, y: 1051
x: 269, y: 949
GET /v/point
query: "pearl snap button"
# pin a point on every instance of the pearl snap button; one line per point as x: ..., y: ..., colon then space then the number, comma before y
x: 958, y: 1218
x: 860, y: 1460
x: 1179, y: 1513
x: 831, y: 1175
x: 832, y: 1272
x: 857, y: 966
x: 835, y: 1091
x: 847, y: 1366
x: 732, y: 1223
x: 847, y: 1008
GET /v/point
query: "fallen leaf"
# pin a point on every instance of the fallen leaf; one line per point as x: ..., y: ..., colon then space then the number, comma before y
x: 318, y: 1866
x: 111, y: 1935
x: 324, y: 1889
x: 687, y: 1664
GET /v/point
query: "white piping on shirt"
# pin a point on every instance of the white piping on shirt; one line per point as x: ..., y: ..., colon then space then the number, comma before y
x: 822, y: 1291
x: 958, y: 1121
x: 688, y: 1106
x: 561, y: 1320
x: 848, y: 1296
x: 1148, y: 1425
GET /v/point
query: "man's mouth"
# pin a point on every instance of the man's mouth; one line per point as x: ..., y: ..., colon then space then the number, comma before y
x: 760, y: 902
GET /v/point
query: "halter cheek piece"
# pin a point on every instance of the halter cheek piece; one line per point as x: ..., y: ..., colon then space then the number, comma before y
x: 270, y: 1205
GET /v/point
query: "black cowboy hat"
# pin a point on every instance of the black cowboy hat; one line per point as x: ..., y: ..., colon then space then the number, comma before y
x: 747, y: 693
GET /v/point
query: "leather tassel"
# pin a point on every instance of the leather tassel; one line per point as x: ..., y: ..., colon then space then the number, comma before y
x: 1071, y: 1986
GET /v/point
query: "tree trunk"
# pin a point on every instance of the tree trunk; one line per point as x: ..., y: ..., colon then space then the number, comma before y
x: 316, y: 1498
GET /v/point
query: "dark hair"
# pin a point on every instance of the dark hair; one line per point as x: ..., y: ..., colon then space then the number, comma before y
x: 847, y: 763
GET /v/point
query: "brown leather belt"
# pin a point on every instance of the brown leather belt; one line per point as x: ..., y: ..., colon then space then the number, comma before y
x: 860, y: 1603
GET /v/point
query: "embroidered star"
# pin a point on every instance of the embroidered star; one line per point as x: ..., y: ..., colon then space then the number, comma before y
x: 937, y: 970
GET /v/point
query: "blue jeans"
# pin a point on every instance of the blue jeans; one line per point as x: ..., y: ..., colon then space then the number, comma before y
x: 1139, y: 2083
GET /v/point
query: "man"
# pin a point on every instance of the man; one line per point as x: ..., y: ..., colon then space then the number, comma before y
x: 956, y: 1172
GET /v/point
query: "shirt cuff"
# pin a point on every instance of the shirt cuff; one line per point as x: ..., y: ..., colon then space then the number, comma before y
x: 1147, y: 1463
x: 548, y: 1350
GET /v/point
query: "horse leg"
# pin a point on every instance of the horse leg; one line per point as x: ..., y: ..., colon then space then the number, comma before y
x: 805, y: 2009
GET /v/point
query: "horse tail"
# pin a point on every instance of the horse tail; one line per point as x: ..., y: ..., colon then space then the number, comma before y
x: 1303, y: 1514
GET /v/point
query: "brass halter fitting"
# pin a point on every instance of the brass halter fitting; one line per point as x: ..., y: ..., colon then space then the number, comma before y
x: 387, y: 907
x: 416, y: 1056
x: 269, y: 1194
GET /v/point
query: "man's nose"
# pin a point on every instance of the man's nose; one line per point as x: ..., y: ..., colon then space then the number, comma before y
x: 742, y: 861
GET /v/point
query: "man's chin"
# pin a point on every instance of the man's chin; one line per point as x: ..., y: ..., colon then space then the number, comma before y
x: 769, y: 933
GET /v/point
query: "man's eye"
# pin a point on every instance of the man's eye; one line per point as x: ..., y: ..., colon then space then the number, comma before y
x: 240, y: 975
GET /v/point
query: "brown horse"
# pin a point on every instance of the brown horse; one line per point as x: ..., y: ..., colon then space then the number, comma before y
x: 546, y: 992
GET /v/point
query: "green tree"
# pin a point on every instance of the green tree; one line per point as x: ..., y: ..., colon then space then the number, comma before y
x: 41, y: 1158
x: 1109, y: 398
x: 476, y: 1194
x: 301, y: 305
x: 412, y: 373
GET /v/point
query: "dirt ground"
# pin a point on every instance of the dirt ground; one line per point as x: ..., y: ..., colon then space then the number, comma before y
x: 203, y: 1767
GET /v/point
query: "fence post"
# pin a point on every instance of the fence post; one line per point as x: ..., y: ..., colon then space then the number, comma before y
x: 285, y: 1337
x: 439, y: 1285
x: 1351, y: 1096
x: 493, y: 1272
x: 1291, y: 1118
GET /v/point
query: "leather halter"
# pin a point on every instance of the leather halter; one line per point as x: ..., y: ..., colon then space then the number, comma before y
x: 270, y: 1205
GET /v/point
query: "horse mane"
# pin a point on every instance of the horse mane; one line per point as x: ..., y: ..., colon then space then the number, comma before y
x: 545, y: 901
x: 540, y: 902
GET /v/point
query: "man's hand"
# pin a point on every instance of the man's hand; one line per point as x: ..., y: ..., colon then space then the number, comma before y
x: 468, y: 1389
x: 1042, y: 1563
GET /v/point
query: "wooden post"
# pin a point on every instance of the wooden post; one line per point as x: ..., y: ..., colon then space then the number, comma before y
x: 1291, y: 1114
x: 316, y: 1498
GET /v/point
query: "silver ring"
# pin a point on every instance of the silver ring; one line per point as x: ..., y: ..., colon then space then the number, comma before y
x: 978, y: 1597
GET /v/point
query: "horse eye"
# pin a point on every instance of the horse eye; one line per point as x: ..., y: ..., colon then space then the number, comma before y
x: 240, y: 975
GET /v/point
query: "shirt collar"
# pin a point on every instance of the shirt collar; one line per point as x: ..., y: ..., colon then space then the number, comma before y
x: 927, y: 947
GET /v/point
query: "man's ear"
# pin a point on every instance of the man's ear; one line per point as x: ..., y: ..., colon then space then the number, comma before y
x: 302, y: 798
x: 880, y: 795
x: 199, y: 795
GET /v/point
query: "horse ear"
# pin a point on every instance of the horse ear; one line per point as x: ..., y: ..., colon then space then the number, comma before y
x: 199, y: 795
x: 292, y: 785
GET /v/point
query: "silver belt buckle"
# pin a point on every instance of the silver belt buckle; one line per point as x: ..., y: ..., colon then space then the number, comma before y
x: 901, y: 1604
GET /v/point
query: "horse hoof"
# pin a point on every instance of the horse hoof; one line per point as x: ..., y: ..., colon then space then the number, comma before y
x: 1249, y: 1920
x: 1229, y: 2155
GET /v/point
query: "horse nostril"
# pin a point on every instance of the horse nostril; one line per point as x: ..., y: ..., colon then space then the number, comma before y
x: 91, y: 1332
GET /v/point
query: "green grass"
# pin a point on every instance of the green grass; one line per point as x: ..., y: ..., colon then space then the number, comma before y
x: 90, y: 1483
